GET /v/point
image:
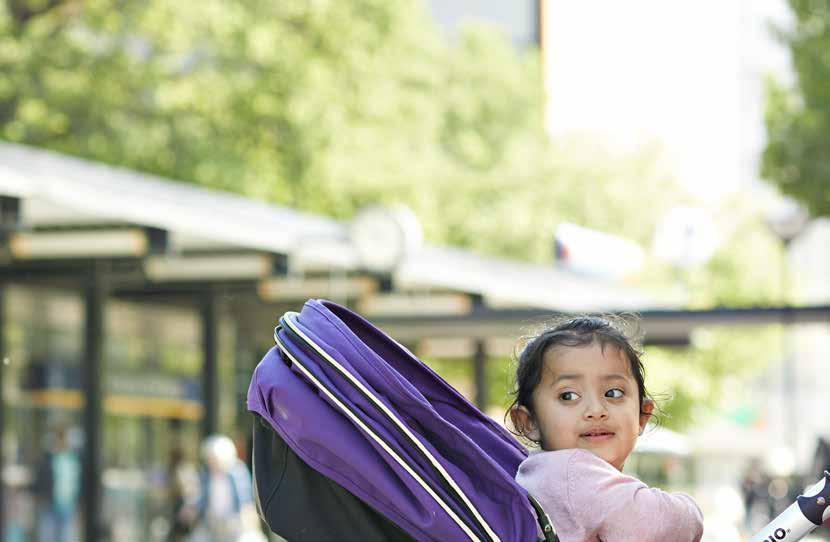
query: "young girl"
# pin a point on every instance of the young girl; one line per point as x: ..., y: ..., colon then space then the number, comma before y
x: 581, y: 397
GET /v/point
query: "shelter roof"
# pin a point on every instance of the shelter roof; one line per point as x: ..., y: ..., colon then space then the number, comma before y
x: 66, y: 189
x: 60, y: 190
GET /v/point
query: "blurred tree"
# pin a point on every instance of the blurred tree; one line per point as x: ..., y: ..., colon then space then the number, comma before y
x: 733, y: 276
x: 321, y: 105
x: 327, y: 106
x: 690, y: 384
x: 797, y: 157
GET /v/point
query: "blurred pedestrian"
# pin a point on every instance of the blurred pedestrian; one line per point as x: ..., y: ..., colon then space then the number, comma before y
x: 57, y: 488
x: 224, y: 509
x: 182, y: 487
x: 754, y: 490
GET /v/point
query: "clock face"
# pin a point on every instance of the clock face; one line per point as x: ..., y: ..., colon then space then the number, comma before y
x: 383, y: 235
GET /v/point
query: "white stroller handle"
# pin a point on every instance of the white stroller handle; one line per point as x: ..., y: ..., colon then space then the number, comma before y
x: 809, y: 511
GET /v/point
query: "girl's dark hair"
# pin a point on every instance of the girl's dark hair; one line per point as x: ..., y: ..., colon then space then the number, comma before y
x: 622, y: 332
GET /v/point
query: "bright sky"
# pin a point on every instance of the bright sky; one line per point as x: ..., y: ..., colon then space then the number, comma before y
x: 687, y: 74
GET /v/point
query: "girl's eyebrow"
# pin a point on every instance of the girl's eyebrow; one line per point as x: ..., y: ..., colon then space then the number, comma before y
x: 577, y: 376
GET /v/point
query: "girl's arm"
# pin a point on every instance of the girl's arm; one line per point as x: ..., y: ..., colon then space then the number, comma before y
x: 618, y: 507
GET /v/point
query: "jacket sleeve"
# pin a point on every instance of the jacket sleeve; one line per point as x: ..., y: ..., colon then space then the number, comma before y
x: 617, y: 507
x: 242, y: 481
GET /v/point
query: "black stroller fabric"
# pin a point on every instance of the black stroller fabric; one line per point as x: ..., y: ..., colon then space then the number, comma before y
x: 299, y: 503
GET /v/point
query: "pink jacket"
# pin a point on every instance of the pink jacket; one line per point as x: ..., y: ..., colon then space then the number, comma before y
x: 588, y: 500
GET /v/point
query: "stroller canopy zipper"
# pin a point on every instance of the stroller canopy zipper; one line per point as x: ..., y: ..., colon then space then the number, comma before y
x: 459, y: 497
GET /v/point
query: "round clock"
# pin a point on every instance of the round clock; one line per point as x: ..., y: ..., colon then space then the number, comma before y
x: 384, y: 235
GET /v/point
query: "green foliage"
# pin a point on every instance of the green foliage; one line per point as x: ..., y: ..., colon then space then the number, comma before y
x: 710, y: 377
x: 327, y: 106
x: 321, y: 105
x: 796, y: 157
x: 735, y: 274
x: 514, y: 210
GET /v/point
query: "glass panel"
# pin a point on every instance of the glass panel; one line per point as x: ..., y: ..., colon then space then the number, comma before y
x: 152, y: 413
x: 43, y: 439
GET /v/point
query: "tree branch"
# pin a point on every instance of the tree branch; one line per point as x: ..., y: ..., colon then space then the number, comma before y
x: 22, y: 11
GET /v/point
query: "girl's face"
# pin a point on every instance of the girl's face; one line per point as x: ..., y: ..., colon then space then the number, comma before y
x: 587, y: 398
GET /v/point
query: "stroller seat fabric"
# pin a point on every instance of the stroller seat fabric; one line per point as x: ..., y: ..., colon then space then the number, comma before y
x: 357, y: 439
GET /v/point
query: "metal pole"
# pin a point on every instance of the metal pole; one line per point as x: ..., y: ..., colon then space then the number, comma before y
x: 210, y: 369
x: 788, y: 376
x: 3, y: 504
x: 480, y: 374
x: 95, y: 293
x: 9, y: 221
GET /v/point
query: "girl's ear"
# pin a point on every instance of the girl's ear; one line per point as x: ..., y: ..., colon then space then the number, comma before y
x: 524, y: 423
x: 645, y: 413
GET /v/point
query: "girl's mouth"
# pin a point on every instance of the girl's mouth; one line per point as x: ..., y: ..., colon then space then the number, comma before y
x: 597, y: 435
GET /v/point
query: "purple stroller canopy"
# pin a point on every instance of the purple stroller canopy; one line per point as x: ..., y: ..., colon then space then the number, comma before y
x: 363, y: 411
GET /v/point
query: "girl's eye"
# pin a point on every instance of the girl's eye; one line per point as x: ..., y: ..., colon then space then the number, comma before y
x: 569, y: 396
x: 614, y: 393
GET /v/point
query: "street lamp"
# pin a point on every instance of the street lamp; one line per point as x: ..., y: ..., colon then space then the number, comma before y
x: 787, y: 220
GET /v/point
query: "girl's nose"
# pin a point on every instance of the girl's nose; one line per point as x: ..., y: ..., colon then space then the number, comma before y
x: 595, y: 410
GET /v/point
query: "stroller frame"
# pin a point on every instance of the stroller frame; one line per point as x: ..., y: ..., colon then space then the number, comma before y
x: 294, y: 347
x: 287, y: 323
